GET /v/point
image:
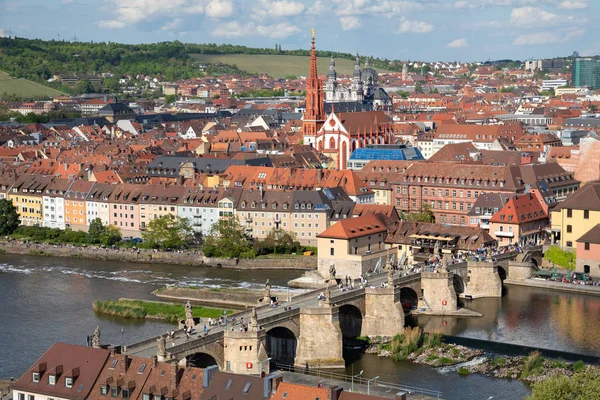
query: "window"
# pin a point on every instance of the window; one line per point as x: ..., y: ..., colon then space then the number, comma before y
x: 586, y: 214
x: 569, y: 213
x: 52, y: 379
x: 21, y: 396
x: 142, y: 368
x: 569, y: 228
x: 103, y: 390
x: 69, y: 382
x: 35, y: 377
x: 146, y: 396
x: 125, y: 393
x: 569, y: 244
x: 114, y: 391
x: 586, y: 246
x: 30, y: 397
x: 331, y: 251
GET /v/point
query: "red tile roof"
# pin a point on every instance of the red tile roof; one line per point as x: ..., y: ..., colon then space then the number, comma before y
x: 356, y: 227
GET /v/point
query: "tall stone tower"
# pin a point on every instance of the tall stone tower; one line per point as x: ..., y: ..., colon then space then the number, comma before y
x: 314, y: 116
x: 404, y: 72
x: 356, y: 88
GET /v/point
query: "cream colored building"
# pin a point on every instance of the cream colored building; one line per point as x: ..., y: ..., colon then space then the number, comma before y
x: 576, y: 215
x: 354, y: 246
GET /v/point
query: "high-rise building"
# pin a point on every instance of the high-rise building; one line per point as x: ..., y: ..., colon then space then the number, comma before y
x: 585, y: 72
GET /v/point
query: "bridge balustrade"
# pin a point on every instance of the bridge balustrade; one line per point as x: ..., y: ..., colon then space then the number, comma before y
x: 192, y: 344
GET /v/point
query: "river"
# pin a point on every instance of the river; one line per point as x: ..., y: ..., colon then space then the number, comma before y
x: 45, y: 300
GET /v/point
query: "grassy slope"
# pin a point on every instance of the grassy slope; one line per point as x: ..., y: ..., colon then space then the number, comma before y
x: 277, y: 66
x: 24, y: 87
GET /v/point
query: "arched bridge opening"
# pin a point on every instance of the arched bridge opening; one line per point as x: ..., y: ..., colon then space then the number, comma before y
x: 409, y: 299
x: 502, y: 273
x: 281, y: 345
x: 458, y: 283
x: 201, y: 360
x: 351, y: 321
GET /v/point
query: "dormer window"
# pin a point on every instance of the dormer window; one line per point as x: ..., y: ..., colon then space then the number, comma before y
x: 68, y: 382
x: 51, y: 379
x: 103, y: 390
x: 35, y: 377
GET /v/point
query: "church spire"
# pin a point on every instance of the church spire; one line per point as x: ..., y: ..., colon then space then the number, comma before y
x: 314, y: 116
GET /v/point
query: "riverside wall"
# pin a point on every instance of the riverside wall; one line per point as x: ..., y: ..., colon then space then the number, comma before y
x: 189, y: 258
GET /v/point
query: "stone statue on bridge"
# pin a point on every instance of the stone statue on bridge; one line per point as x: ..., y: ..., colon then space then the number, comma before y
x: 253, y: 320
x: 189, y: 317
x: 332, y: 271
x: 390, y: 278
x: 327, y: 300
x: 267, y: 292
x: 96, y: 338
x: 162, y: 348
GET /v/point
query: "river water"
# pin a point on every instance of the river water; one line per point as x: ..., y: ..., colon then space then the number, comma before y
x: 44, y: 300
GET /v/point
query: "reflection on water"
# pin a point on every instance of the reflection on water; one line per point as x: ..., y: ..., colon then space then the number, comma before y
x: 530, y: 317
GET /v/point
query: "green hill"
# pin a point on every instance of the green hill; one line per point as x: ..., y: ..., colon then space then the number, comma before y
x: 277, y: 66
x: 25, y: 88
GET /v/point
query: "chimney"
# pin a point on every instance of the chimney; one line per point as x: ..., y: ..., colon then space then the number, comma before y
x: 125, y: 360
x: 175, y: 374
x: 154, y: 361
x: 335, y: 392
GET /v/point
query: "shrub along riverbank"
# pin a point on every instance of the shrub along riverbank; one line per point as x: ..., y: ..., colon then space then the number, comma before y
x: 428, y: 348
x: 169, y: 312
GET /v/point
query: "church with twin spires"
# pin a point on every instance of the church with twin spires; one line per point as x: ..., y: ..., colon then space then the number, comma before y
x: 338, y: 134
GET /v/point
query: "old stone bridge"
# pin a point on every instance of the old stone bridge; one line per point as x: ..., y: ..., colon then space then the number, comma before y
x: 310, y: 331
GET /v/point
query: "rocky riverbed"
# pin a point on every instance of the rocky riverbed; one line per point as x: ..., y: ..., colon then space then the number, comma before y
x: 431, y: 351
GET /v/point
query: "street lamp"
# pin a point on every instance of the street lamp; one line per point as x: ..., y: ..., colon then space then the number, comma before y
x: 353, y: 376
x: 369, y: 384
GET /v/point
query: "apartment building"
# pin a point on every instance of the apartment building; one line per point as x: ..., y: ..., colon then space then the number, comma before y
x: 75, y: 205
x: 156, y: 201
x: 96, y: 203
x: 123, y: 208
x: 452, y: 192
x: 522, y: 220
x: 54, y: 203
x: 200, y: 207
x: 576, y: 215
x: 27, y: 196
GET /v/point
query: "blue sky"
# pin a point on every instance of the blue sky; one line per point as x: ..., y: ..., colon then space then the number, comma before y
x: 429, y: 30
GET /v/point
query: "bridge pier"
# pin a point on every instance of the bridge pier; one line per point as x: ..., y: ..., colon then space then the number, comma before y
x: 483, y: 280
x: 320, y: 340
x: 245, y: 353
x: 437, y: 292
x: 383, y: 315
x: 519, y: 271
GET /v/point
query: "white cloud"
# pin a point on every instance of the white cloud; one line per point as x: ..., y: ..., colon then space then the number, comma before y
x: 383, y: 8
x: 113, y: 24
x: 234, y: 29
x: 67, y: 1
x: 171, y: 26
x: 3, y: 33
x: 349, y: 23
x: 230, y: 29
x: 414, y: 26
x: 534, y: 17
x: 541, y: 38
x: 136, y: 11
x: 219, y: 9
x: 457, y: 43
x: 277, y: 31
x: 573, y: 4
x: 279, y: 8
x: 318, y: 8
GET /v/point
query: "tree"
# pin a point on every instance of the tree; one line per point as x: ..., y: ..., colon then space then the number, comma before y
x: 111, y: 236
x: 278, y: 241
x: 95, y: 231
x: 9, y: 217
x: 562, y: 258
x: 170, y: 98
x: 83, y: 86
x: 168, y: 232
x: 418, y: 87
x: 227, y: 238
x: 581, y: 386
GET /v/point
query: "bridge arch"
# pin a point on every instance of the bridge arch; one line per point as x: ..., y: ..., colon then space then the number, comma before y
x: 502, y: 273
x: 459, y: 284
x: 201, y: 360
x: 281, y: 344
x: 351, y: 321
x: 409, y: 299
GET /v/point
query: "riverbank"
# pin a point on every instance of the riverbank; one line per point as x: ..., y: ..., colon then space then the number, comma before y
x: 559, y: 286
x: 429, y: 349
x: 138, y: 309
x: 187, y: 258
